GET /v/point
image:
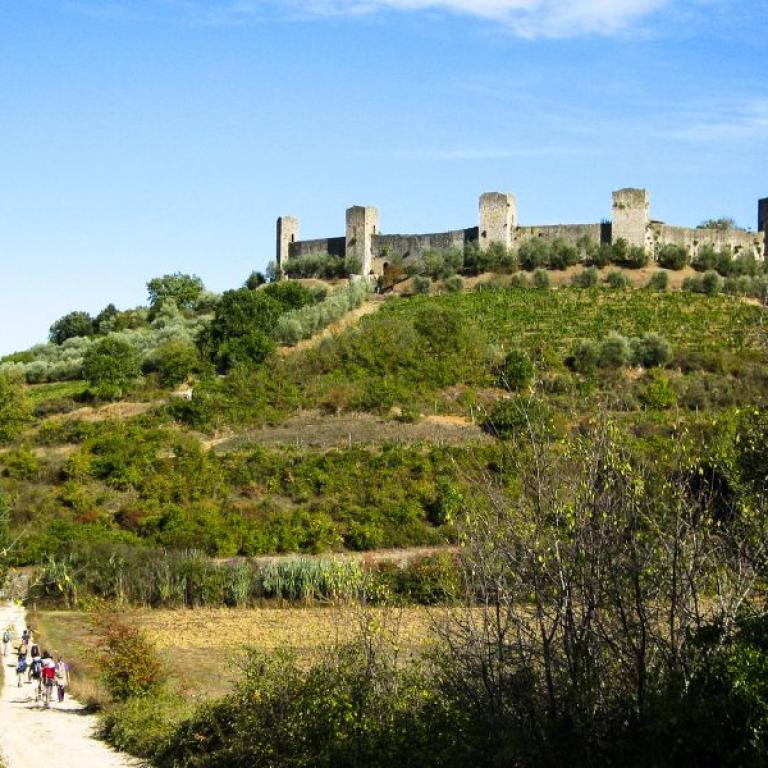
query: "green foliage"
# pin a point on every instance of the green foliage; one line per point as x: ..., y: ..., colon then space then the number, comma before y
x: 70, y: 326
x: 422, y: 284
x: 651, y: 351
x: 618, y: 280
x: 174, y: 361
x: 129, y: 663
x: 351, y: 708
x: 585, y: 356
x: 599, y: 256
x: 658, y: 394
x: 496, y: 258
x: 516, y: 372
x: 723, y: 224
x: 751, y: 442
x: 614, y: 351
x: 241, y: 330
x: 303, y: 323
x: 672, y: 256
x: 659, y: 281
x: 540, y: 279
x: 587, y: 278
x: 534, y: 254
x: 319, y: 265
x: 709, y: 283
x: 255, y: 280
x: 182, y: 289
x: 111, y: 367
x: 453, y: 284
x: 15, y: 406
x: 289, y: 294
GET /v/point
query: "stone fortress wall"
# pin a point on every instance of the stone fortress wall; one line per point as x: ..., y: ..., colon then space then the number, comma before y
x: 497, y: 223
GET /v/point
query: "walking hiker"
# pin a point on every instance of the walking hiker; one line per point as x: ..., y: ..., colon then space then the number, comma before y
x: 62, y: 678
x: 48, y: 673
x: 21, y: 668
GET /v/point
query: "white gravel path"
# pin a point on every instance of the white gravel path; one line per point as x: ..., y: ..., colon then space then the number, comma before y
x: 60, y: 736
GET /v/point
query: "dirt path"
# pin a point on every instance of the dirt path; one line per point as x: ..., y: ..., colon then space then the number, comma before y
x: 26, y: 727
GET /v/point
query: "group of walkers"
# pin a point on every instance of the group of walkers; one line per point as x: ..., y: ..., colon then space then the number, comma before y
x: 41, y: 668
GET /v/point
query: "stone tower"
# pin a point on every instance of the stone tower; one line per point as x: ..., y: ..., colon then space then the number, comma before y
x: 287, y: 233
x: 762, y: 218
x: 498, y: 219
x: 630, y: 216
x: 362, y: 225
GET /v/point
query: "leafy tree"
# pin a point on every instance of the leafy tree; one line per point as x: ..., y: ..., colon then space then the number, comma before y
x: 174, y: 361
x: 254, y: 280
x: 723, y: 224
x: 562, y: 254
x: 706, y: 258
x: 534, y: 253
x: 516, y: 371
x: 242, y: 327
x: 111, y: 366
x: 673, y: 256
x: 178, y: 287
x: 104, y: 322
x: 290, y: 294
x: 15, y: 408
x: 71, y: 325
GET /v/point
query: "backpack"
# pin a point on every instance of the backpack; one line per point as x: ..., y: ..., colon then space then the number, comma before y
x: 36, y: 666
x: 6, y: 636
x: 21, y: 667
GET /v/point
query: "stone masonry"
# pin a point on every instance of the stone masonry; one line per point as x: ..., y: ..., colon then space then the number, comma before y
x: 364, y: 244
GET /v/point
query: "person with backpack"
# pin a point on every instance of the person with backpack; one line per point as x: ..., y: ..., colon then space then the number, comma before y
x: 6, y: 640
x: 21, y: 668
x: 25, y: 637
x: 48, y: 674
x: 35, y: 665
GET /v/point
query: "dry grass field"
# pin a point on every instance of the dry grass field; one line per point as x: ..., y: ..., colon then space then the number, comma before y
x: 201, y: 647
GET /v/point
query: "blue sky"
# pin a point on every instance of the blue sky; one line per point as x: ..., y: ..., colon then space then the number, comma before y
x: 141, y: 137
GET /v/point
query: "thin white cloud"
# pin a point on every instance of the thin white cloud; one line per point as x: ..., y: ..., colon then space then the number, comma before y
x: 525, y: 18
x: 746, y: 122
x: 482, y: 153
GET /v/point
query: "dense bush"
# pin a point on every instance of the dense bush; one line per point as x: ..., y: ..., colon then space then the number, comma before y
x: 15, y: 406
x: 241, y: 330
x: 672, y: 256
x: 618, y: 280
x: 540, y: 279
x: 516, y: 371
x: 111, y: 367
x: 422, y: 284
x: 587, y: 278
x: 659, y: 281
x: 453, y: 284
x: 614, y: 352
x: 129, y: 664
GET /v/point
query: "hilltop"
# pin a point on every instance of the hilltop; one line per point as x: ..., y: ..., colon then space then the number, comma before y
x: 191, y: 430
